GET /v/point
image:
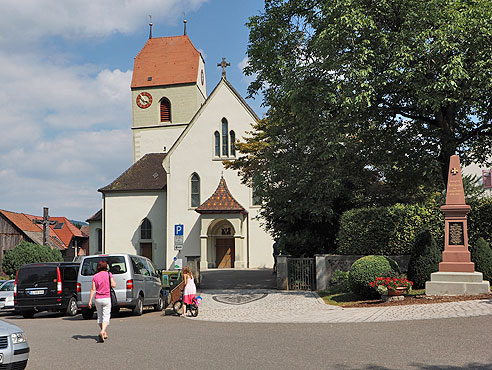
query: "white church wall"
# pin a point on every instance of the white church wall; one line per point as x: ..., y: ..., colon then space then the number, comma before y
x: 125, y: 212
x: 195, y: 153
x: 155, y: 139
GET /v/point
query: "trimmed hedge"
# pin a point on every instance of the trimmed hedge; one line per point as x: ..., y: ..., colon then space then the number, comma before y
x: 25, y: 253
x: 424, y: 260
x: 387, y: 230
x: 366, y: 270
x: 393, y: 230
x: 481, y: 255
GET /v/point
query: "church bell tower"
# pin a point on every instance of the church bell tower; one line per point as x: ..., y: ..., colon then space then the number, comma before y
x: 168, y: 87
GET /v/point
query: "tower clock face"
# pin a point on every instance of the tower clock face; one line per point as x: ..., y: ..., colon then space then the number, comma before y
x: 144, y: 100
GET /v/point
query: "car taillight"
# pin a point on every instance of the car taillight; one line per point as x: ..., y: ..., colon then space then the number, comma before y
x: 15, y: 284
x: 79, y: 288
x: 58, y: 281
x: 129, y: 284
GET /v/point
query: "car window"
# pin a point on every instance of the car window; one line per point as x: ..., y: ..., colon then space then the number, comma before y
x: 70, y: 274
x: 150, y: 267
x: 38, y: 274
x: 8, y: 286
x: 116, y: 264
x: 140, y: 266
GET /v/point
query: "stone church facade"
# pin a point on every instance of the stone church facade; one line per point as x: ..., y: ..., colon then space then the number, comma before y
x: 177, y: 202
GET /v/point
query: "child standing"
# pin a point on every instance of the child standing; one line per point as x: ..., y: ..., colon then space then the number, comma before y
x: 189, y: 290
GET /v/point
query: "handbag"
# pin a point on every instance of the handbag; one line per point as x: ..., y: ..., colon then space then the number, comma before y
x: 114, y: 301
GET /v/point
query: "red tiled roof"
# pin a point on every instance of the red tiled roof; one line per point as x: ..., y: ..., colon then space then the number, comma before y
x: 21, y: 220
x: 85, y: 230
x: 59, y: 238
x: 167, y: 60
x: 221, y: 201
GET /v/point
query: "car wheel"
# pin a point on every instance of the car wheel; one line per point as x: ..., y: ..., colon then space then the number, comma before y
x: 115, y: 310
x: 87, y: 313
x: 138, y: 309
x: 27, y: 314
x: 160, y: 303
x: 72, y: 307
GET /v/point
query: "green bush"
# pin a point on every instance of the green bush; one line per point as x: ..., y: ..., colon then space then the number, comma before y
x: 339, y: 282
x: 28, y: 253
x: 424, y: 259
x: 480, y: 221
x: 481, y: 254
x: 388, y: 230
x: 367, y: 269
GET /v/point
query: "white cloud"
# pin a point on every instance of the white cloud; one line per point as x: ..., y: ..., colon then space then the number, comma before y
x: 65, y: 127
x: 34, y: 19
x: 63, y: 173
x: 243, y: 64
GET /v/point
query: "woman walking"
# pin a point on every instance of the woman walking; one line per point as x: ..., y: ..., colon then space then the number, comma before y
x: 101, y: 287
x: 189, y: 290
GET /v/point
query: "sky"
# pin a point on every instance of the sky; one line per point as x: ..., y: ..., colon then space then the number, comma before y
x: 65, y: 72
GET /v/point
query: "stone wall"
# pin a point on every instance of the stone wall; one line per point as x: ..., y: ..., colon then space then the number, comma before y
x: 327, y: 264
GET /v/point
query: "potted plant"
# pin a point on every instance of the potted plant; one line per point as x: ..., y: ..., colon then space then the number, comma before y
x: 391, y: 285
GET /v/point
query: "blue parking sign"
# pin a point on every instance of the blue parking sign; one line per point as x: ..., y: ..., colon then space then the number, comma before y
x: 178, y: 229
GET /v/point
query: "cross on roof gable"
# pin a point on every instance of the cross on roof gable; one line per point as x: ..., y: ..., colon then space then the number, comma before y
x: 221, y: 201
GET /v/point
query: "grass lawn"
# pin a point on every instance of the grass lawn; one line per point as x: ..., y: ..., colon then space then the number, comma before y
x: 348, y: 299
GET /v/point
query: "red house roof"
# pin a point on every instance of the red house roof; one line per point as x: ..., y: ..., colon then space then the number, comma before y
x: 166, y: 61
x: 61, y: 234
x: 221, y: 201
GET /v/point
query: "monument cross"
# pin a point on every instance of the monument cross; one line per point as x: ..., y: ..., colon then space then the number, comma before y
x: 45, y: 221
x: 223, y: 64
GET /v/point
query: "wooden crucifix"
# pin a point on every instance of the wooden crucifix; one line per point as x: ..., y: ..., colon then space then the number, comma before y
x: 45, y: 221
x: 223, y: 64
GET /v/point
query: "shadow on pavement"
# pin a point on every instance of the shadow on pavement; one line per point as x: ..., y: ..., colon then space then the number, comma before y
x: 238, y: 279
x: 92, y: 337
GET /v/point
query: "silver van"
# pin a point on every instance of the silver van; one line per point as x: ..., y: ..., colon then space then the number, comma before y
x: 138, y: 283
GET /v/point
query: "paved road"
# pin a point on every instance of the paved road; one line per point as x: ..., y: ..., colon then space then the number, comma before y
x: 154, y: 341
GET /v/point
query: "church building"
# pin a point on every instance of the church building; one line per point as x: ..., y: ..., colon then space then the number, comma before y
x: 177, y: 202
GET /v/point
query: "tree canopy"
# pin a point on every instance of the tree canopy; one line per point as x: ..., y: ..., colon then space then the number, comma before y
x: 367, y: 101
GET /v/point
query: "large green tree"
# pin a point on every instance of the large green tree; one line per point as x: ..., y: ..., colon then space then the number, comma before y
x: 395, y: 71
x: 367, y: 100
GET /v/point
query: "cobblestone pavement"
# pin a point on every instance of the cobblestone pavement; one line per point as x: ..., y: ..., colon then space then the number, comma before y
x: 273, y: 306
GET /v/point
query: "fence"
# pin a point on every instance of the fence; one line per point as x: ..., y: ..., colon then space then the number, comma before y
x: 301, y: 273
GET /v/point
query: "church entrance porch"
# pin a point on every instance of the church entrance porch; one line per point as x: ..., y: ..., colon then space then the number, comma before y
x: 224, y: 252
x: 222, y: 245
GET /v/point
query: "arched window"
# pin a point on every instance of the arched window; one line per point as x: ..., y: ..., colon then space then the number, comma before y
x: 195, y: 190
x: 217, y: 144
x: 165, y: 110
x: 225, y: 137
x: 146, y: 229
x: 233, y: 140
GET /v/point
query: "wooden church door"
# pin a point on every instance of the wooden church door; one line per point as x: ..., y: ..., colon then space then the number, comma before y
x: 225, y: 253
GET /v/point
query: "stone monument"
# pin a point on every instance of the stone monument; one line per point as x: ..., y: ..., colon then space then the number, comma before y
x: 457, y: 275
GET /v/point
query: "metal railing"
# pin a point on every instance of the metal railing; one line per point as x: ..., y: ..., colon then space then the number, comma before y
x: 301, y: 273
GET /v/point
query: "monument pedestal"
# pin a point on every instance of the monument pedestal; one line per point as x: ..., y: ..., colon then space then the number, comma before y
x: 456, y: 283
x: 456, y: 274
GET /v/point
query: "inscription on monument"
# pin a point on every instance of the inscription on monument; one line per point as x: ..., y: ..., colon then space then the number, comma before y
x: 456, y: 233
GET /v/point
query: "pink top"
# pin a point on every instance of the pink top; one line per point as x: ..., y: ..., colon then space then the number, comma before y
x: 101, y: 280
